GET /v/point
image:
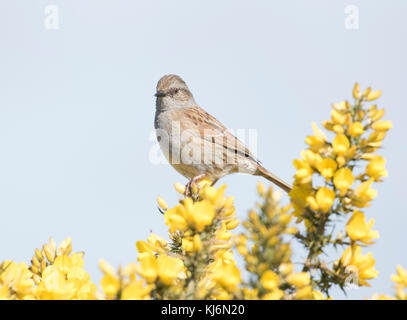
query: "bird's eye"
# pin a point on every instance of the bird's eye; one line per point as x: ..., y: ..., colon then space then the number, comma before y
x: 175, y: 91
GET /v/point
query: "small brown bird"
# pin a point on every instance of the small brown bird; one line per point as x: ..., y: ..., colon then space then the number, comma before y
x: 195, y: 143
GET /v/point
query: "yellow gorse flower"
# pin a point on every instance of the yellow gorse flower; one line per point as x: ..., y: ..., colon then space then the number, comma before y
x: 400, y: 280
x: 226, y: 274
x: 359, y: 230
x: 269, y: 280
x: 356, y: 129
x: 200, y: 214
x: 356, y: 91
x: 401, y: 277
x: 304, y: 171
x: 318, y: 140
x: 364, y: 194
x: 340, y: 144
x: 383, y: 125
x: 16, y: 281
x: 325, y: 198
x: 373, y: 95
x: 327, y: 167
x: 162, y: 204
x: 338, y: 117
x: 299, y: 279
x: 362, y: 266
x: 343, y: 180
x: 66, y: 279
x: 376, y: 168
x: 124, y: 284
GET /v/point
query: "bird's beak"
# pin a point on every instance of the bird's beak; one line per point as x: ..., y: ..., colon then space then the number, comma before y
x: 160, y: 94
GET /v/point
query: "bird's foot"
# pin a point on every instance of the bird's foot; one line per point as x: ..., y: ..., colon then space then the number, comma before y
x: 189, y: 191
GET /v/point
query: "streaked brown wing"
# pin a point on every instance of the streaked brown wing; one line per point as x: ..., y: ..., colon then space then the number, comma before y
x: 201, y: 120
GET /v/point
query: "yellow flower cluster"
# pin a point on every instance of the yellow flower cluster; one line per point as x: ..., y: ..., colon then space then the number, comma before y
x: 357, y: 265
x: 200, y: 237
x: 334, y: 161
x: 54, y: 273
x: 124, y: 284
x: 197, y: 262
x: 328, y: 184
x: 16, y: 281
x: 400, y: 284
x: 268, y: 255
x: 400, y: 280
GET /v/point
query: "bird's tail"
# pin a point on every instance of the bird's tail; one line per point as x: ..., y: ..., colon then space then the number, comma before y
x: 274, y: 179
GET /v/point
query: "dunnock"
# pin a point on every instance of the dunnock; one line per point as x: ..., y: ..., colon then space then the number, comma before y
x: 195, y: 143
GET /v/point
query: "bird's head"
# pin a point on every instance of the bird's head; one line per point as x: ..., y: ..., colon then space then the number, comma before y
x: 172, y: 92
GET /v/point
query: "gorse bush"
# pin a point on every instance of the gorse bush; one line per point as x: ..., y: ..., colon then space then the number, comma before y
x: 333, y: 183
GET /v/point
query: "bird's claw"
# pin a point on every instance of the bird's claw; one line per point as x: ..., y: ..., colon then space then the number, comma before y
x: 189, y: 191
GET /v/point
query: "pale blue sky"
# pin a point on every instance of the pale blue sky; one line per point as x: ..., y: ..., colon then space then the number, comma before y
x: 77, y: 109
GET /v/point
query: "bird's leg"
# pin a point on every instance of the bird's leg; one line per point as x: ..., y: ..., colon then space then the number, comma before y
x: 190, y: 184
